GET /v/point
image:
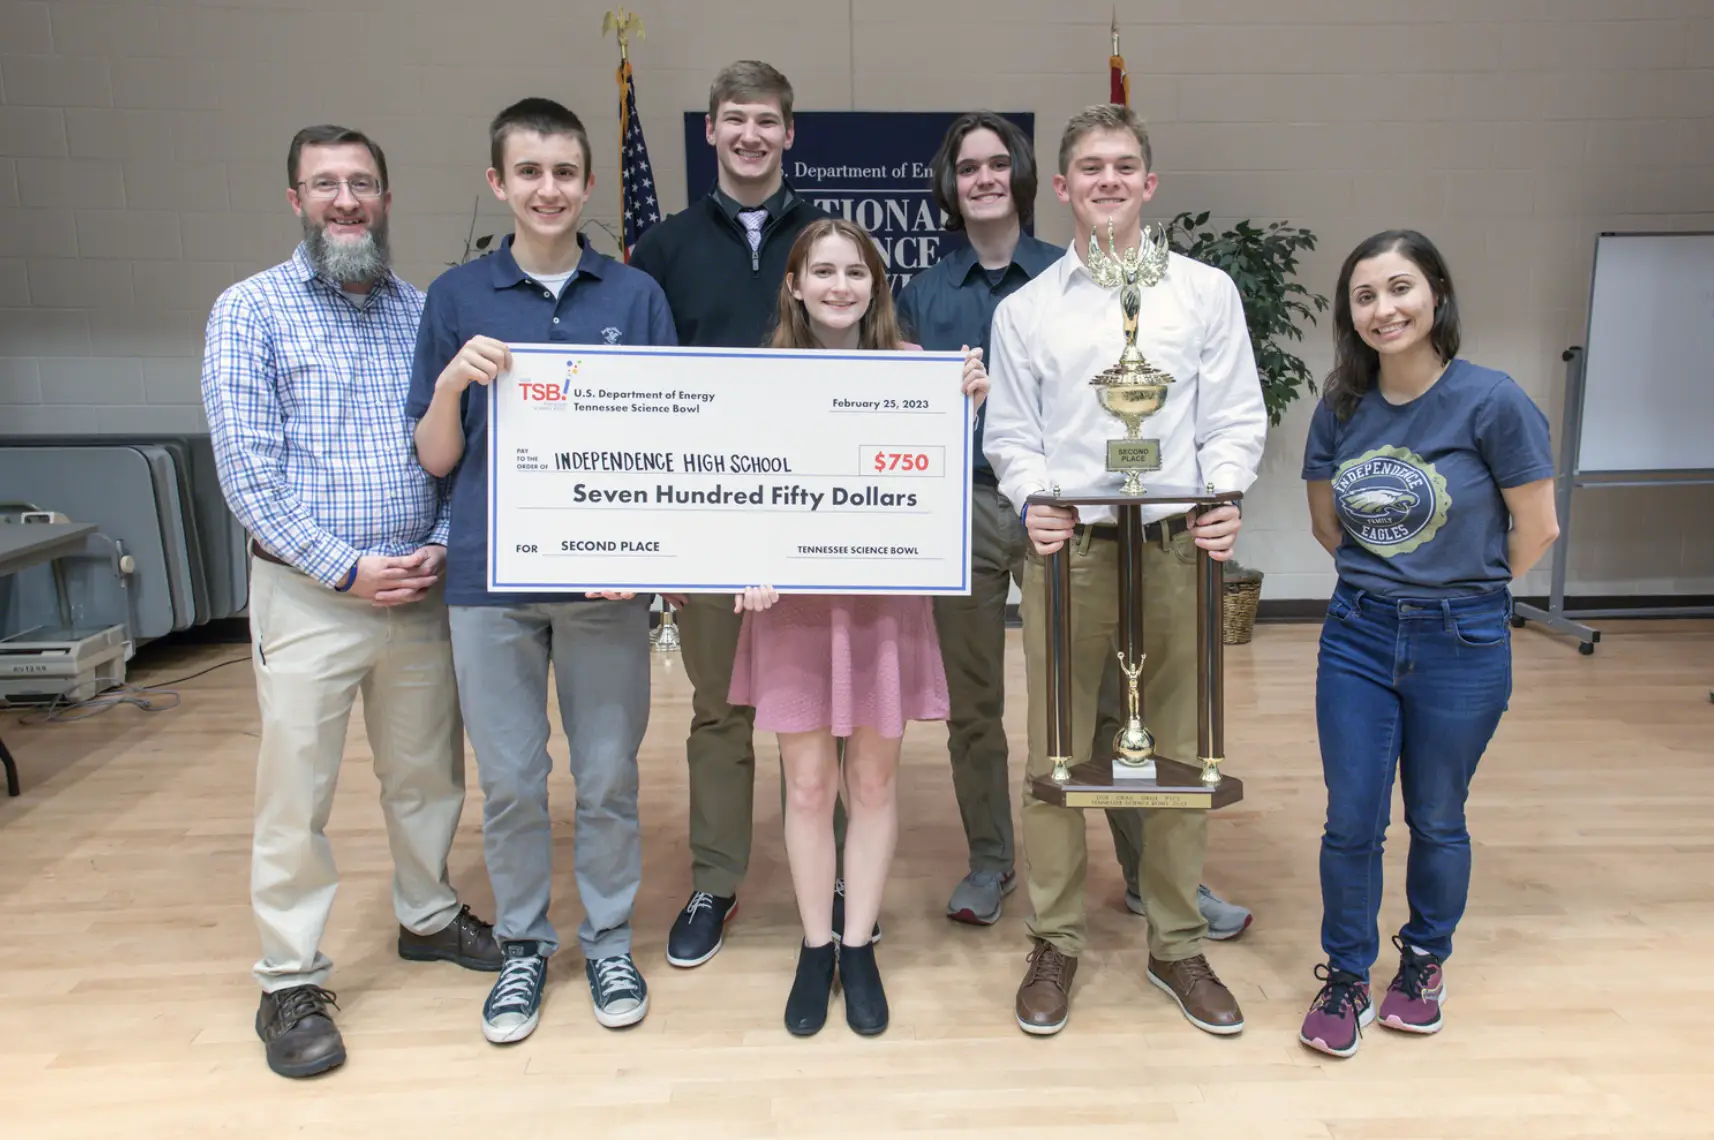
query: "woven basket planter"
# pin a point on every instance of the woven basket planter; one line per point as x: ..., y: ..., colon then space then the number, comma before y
x: 1243, y: 596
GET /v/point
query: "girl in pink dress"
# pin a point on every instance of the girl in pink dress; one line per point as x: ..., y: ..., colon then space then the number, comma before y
x: 818, y: 668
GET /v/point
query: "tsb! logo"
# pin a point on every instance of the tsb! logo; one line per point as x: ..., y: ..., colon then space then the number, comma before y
x: 551, y: 395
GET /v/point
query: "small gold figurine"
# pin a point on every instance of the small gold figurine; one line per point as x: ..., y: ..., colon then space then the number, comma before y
x: 1133, y: 744
x: 1145, y: 264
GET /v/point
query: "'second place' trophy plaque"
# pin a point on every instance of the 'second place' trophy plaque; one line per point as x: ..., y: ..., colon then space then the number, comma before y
x: 1131, y: 390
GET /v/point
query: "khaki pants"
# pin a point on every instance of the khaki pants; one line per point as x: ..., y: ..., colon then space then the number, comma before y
x: 313, y: 652
x: 1055, y: 844
x: 972, y: 632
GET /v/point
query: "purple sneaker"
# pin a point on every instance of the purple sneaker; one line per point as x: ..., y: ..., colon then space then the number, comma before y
x: 1416, y: 994
x: 1336, y: 1018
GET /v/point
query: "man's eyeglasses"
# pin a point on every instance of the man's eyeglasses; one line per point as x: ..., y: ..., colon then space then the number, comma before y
x: 328, y: 188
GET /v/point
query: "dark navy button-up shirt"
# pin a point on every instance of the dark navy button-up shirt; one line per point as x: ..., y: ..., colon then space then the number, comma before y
x: 605, y: 302
x: 952, y: 305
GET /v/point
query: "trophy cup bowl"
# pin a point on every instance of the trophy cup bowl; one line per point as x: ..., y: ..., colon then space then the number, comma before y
x: 1131, y: 391
x: 1131, y: 401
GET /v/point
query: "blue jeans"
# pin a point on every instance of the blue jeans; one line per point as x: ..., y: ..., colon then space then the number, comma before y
x: 1420, y: 683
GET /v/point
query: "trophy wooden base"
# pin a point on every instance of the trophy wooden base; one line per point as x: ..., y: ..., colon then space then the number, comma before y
x: 1175, y: 785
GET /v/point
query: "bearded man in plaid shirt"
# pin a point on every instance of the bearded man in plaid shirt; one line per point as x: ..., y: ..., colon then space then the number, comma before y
x: 305, y: 374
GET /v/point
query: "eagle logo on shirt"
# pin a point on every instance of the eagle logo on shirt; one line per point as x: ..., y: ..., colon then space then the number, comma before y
x: 1390, y: 500
x: 1380, y: 502
x: 611, y: 335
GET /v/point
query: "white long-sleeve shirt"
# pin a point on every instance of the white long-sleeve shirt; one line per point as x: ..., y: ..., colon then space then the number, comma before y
x: 1045, y: 425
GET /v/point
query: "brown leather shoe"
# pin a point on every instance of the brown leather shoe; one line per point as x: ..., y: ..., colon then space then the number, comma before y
x: 1044, y: 997
x: 1204, y: 1000
x: 466, y: 940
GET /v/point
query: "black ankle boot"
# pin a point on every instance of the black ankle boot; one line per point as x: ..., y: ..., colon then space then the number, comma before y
x: 806, y: 1008
x: 865, y: 1000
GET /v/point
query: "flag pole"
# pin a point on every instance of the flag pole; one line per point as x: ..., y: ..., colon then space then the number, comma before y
x: 1119, y: 81
x: 665, y: 636
x: 622, y: 24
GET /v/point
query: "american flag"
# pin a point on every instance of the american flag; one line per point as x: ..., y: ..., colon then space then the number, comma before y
x: 636, y: 178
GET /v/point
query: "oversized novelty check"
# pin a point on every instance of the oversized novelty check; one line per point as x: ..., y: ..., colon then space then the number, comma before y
x: 701, y: 470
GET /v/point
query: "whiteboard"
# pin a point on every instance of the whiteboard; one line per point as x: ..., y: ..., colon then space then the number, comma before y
x: 1648, y: 374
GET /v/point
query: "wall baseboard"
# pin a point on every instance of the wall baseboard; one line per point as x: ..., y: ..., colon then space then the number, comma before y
x: 1289, y: 610
x: 1314, y: 609
x: 236, y: 630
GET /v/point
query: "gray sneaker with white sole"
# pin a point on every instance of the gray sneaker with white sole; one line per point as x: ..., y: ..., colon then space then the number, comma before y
x: 1225, y: 920
x: 977, y: 899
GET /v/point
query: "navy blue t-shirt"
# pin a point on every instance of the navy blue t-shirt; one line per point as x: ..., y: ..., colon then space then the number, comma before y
x: 1417, y: 485
x: 605, y: 302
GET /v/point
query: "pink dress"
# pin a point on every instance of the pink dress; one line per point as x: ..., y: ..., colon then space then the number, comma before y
x: 841, y: 661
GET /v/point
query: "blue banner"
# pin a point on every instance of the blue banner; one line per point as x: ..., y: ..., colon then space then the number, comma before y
x: 871, y: 167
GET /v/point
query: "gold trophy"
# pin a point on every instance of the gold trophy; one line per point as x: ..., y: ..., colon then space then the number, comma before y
x: 1133, y: 389
x: 1133, y: 744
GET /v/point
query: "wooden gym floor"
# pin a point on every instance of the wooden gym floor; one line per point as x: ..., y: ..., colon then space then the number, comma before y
x: 1581, y: 998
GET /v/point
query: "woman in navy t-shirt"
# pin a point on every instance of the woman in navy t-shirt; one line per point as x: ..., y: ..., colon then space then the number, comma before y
x: 1431, y: 484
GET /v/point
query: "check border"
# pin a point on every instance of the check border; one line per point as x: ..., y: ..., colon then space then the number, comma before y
x: 571, y: 348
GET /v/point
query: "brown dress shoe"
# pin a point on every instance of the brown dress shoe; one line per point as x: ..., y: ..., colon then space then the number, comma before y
x: 1044, y: 997
x: 1204, y: 1000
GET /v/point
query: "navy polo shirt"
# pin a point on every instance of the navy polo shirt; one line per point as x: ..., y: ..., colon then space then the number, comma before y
x: 605, y: 302
x: 952, y: 304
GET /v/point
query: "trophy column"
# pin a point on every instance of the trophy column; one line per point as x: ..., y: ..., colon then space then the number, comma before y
x: 1137, y: 776
x: 1210, y: 648
x: 1057, y: 582
x: 1133, y: 745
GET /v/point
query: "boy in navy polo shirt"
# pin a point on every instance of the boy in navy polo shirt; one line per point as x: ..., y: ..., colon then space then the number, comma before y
x: 542, y: 284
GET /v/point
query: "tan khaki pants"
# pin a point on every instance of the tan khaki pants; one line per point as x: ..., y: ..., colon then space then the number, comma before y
x: 313, y: 652
x: 1055, y: 844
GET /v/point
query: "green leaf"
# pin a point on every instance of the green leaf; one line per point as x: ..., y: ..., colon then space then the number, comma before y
x: 1262, y: 262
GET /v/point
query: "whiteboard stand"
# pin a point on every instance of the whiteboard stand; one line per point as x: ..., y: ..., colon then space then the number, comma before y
x: 1639, y: 394
x: 1556, y: 617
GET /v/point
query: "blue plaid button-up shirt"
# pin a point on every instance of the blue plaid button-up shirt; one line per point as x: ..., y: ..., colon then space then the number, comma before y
x: 305, y: 393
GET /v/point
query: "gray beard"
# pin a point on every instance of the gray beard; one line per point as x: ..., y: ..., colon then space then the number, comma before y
x: 348, y: 262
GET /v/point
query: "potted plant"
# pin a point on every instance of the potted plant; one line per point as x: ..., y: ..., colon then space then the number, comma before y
x: 1262, y: 262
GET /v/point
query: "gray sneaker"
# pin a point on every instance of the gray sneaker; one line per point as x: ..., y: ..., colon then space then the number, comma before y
x: 976, y: 899
x: 1225, y: 920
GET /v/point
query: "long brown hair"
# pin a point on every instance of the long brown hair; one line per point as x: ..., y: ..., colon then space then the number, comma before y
x: 879, y: 328
x: 1356, y: 366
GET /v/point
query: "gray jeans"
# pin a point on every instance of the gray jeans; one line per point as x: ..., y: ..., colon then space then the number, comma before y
x: 600, y: 656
